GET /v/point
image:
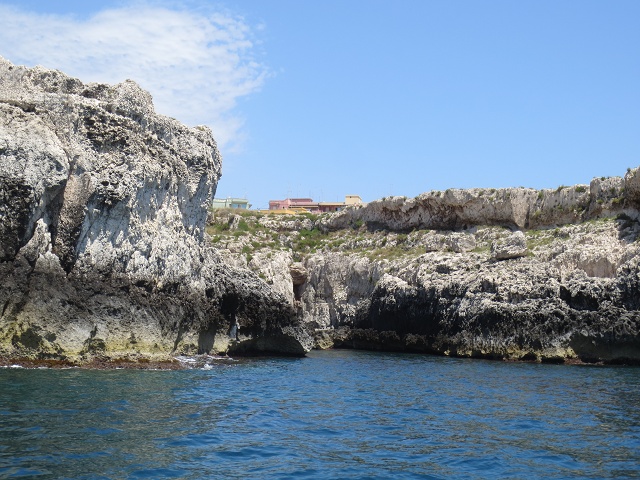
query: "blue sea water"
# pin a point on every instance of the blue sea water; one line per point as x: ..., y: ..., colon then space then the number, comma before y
x: 333, y: 414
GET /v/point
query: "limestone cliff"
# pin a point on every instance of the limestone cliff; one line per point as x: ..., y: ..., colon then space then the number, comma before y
x: 518, y: 274
x: 518, y: 208
x: 103, y: 206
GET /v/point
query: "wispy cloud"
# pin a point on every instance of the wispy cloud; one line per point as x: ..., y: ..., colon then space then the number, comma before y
x: 195, y: 63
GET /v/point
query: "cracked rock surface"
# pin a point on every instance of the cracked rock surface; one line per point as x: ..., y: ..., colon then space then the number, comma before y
x: 103, y: 205
x: 454, y: 273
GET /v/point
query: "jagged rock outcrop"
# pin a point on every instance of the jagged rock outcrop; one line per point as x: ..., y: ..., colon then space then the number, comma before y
x: 467, y: 284
x: 517, y: 208
x: 298, y: 273
x: 338, y: 286
x: 514, y: 246
x: 569, y: 298
x: 632, y: 188
x: 103, y: 205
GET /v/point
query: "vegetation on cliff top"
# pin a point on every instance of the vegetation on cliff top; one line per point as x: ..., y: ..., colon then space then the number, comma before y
x: 248, y: 232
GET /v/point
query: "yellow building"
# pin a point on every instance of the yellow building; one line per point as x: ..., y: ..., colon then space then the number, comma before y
x: 352, y: 200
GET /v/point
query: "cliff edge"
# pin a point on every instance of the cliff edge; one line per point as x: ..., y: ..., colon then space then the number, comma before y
x: 515, y: 274
x: 103, y: 205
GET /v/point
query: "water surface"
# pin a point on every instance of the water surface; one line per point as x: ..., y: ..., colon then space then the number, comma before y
x: 334, y: 414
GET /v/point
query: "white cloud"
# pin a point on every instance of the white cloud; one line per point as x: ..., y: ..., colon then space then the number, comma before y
x: 196, y: 64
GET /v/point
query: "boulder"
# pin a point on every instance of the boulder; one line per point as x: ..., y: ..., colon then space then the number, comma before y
x: 513, y: 246
x: 461, y: 242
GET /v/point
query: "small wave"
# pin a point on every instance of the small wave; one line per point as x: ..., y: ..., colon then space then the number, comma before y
x: 204, y: 362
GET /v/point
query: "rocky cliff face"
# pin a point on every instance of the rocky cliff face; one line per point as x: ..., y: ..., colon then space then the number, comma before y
x: 517, y: 208
x: 465, y: 273
x: 103, y: 206
x: 104, y: 254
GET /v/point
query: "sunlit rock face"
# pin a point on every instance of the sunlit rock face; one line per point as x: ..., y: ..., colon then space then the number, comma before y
x: 516, y: 208
x: 514, y: 246
x: 516, y: 274
x: 103, y: 205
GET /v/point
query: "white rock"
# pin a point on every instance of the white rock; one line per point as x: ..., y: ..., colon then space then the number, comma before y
x: 514, y: 246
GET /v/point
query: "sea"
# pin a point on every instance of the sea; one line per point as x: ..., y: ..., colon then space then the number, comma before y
x: 336, y: 414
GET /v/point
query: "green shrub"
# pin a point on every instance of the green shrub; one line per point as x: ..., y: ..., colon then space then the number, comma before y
x: 218, y: 227
x: 358, y: 223
x: 309, y: 240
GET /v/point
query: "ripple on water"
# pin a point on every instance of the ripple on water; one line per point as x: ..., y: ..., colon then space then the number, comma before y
x: 337, y: 414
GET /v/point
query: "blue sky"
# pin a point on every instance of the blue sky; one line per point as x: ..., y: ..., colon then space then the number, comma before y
x: 370, y: 97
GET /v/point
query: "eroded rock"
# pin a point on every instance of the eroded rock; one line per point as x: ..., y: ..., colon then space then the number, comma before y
x: 568, y: 293
x: 103, y: 206
x: 513, y: 246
